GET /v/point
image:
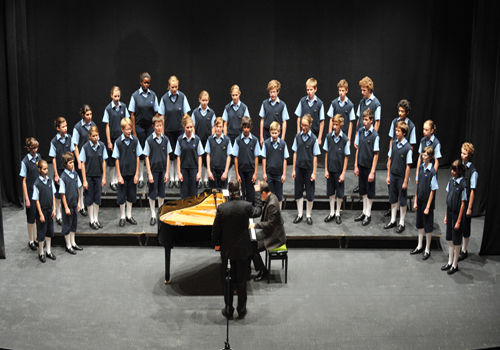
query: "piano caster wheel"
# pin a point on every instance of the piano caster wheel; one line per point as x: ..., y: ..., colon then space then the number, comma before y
x: 165, y: 282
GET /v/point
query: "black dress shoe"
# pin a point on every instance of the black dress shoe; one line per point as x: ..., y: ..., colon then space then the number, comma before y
x: 400, y: 228
x: 93, y: 226
x: 71, y: 251
x: 329, y: 218
x: 366, y: 220
x: 445, y: 267
x: 261, y: 275
x: 199, y: 184
x: 206, y: 184
x: 309, y: 220
x: 426, y: 256
x: 452, y: 270
x: 177, y: 184
x: 297, y: 219
x: 152, y: 222
x: 131, y: 220
x: 140, y: 183
x: 462, y: 255
x: 242, y: 313
x: 76, y: 247
x: 41, y: 257
x: 99, y: 225
x: 51, y: 256
x: 170, y: 184
x: 387, y: 214
x: 416, y: 251
x: 83, y: 212
x: 114, y: 187
x: 390, y: 225
x: 227, y: 315
x: 59, y: 221
x: 32, y: 245
x: 360, y: 217
x: 355, y: 189
x: 338, y: 219
x: 121, y: 223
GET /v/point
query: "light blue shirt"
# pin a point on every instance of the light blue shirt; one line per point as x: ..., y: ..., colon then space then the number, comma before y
x: 377, y: 113
x: 305, y: 137
x: 473, y: 177
x: 83, y: 157
x: 24, y: 172
x: 105, y: 117
x: 375, y: 143
x: 116, y: 152
x: 413, y: 135
x: 434, y: 183
x: 236, y: 148
x: 52, y: 150
x: 464, y: 191
x: 219, y: 140
x: 298, y: 110
x: 352, y: 116
x: 409, y: 155
x: 147, y: 149
x: 199, y: 150
x: 131, y: 105
x: 75, y: 139
x: 275, y: 145
x: 284, y: 115
x: 203, y: 112
x: 62, y: 186
x: 336, y: 139
x: 36, y: 194
x: 235, y: 107
x: 437, y: 149
x: 185, y: 107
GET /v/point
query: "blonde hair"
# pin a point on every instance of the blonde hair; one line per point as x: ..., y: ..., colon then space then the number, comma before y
x: 204, y: 93
x: 157, y: 119
x: 312, y: 82
x: 93, y: 129
x: 125, y: 121
x: 307, y: 118
x: 343, y: 83
x: 172, y: 79
x: 235, y: 87
x: 115, y: 88
x: 367, y: 82
x: 218, y: 121
x: 431, y: 124
x: 274, y: 84
x: 40, y: 164
x: 339, y: 119
x: 402, y: 126
x: 186, y: 119
x: 275, y: 126
x: 469, y: 148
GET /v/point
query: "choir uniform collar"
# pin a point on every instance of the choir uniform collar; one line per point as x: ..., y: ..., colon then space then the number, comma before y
x: 468, y: 164
x: 428, y: 167
x: 36, y: 156
x: 236, y: 105
x: 184, y: 136
x: 274, y: 102
x: 147, y: 92
x: 58, y: 136
x: 70, y: 173
x: 309, y: 133
x: 112, y: 104
x: 335, y: 136
x: 96, y: 146
x: 170, y: 94
x: 44, y: 180
x: 370, y: 130
x: 156, y: 137
x: 221, y: 136
x: 243, y: 136
x: 277, y: 141
x: 86, y: 125
x: 345, y: 101
x: 403, y: 142
x: 430, y: 139
x: 124, y: 138
x: 315, y: 98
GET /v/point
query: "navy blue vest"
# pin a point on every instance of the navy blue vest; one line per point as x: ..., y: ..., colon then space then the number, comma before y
x: 345, y: 111
x: 83, y: 132
x: 273, y: 113
x: 115, y: 117
x: 173, y: 111
x: 31, y: 173
x: 203, y: 124
x: 71, y: 189
x: 365, y: 148
x: 313, y: 111
x: 336, y: 155
x: 454, y: 196
x: 144, y: 108
x: 410, y: 124
x: 45, y: 194
x: 467, y: 176
x: 60, y: 149
x: 246, y: 153
x: 398, y: 158
x: 305, y: 151
x: 275, y: 157
x: 424, y: 185
x: 218, y: 153
x: 363, y: 107
x: 158, y: 153
x: 423, y: 144
x: 128, y: 156
x: 189, y: 152
x: 93, y: 159
x: 234, y: 119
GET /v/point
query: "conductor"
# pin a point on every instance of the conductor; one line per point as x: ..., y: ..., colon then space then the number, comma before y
x: 230, y: 234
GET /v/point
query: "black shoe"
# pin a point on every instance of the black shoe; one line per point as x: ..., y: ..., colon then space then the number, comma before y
x: 387, y: 214
x: 41, y: 257
x: 445, y: 267
x: 199, y: 184
x: 452, y: 270
x: 71, y: 251
x: 59, y: 221
x: 206, y: 184
x: 329, y: 218
x: 76, y: 247
x: 141, y: 183
x: 390, y: 225
x: 131, y: 220
x: 309, y: 220
x: 360, y: 218
x: 426, y: 256
x: 261, y: 275
x: 114, y: 187
x: 32, y: 245
x: 355, y: 189
x: 51, y: 256
x: 338, y: 219
x: 83, y: 212
x: 297, y: 219
x: 242, y: 313
x: 366, y: 220
x: 152, y: 222
x: 99, y: 225
x: 416, y: 251
x: 170, y: 184
x: 93, y: 226
x: 121, y: 223
x: 226, y: 315
x: 400, y: 228
x: 462, y: 255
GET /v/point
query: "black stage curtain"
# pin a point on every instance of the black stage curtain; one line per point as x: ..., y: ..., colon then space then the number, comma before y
x: 60, y: 54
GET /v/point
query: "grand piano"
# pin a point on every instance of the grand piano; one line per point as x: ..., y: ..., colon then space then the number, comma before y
x: 189, y: 221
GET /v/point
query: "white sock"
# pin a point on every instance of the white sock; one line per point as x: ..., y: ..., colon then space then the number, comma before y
x: 122, y: 211
x: 72, y: 238
x: 58, y: 209
x: 31, y: 232
x: 309, y: 207
x: 152, y: 204
x: 369, y: 206
x: 332, y: 205
x: 67, y: 240
x: 394, y: 212
x: 339, y: 204
x: 40, y: 247
x: 365, y: 204
x: 90, y: 209
x: 300, y: 206
x: 420, y: 238
x: 141, y: 170
x: 428, y: 240
x: 450, y: 255
x: 205, y: 174
x: 82, y: 204
x: 114, y: 175
x: 172, y: 173
x: 48, y: 244
x: 96, y: 212
x: 402, y: 215
x: 129, y: 209
x: 160, y: 202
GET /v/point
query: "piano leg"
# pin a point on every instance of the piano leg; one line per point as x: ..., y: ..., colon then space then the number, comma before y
x: 167, y: 264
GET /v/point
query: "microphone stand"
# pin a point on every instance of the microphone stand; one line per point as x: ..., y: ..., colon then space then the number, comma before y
x: 227, y: 290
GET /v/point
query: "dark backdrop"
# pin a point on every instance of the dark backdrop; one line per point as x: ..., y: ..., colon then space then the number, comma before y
x: 61, y: 54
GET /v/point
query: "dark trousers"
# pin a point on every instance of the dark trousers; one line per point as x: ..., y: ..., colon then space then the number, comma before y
x: 396, y: 192
x: 93, y: 193
x: 217, y: 183
x: 366, y: 187
x: 172, y: 138
x: 143, y: 133
x: 157, y: 188
x: 275, y: 185
x: 247, y: 190
x: 452, y: 234
x: 128, y: 191
x: 189, y: 187
x: 69, y: 222
x: 44, y: 229
x: 239, y: 275
x: 258, y: 263
x: 303, y: 181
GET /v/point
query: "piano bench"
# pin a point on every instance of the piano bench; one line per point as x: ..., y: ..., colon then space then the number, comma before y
x: 280, y: 253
